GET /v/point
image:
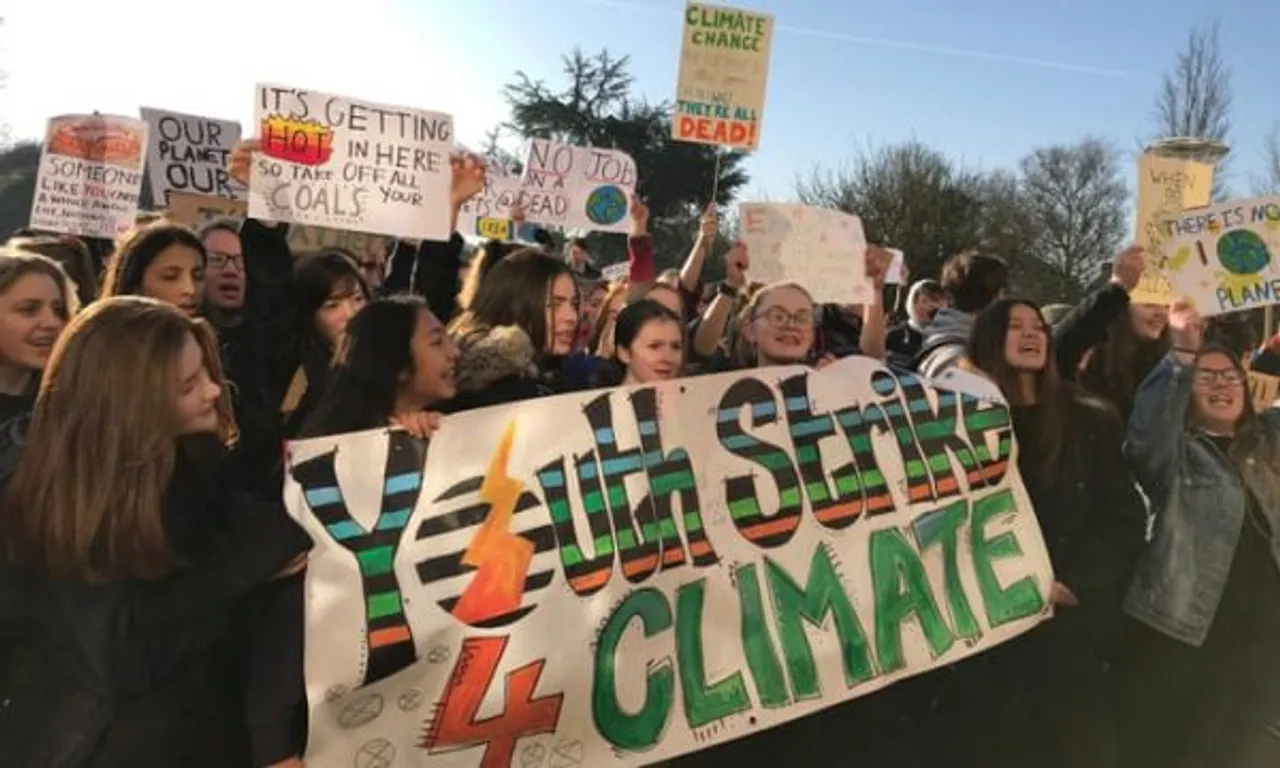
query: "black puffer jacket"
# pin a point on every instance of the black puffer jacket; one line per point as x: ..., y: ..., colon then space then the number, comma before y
x: 165, y: 672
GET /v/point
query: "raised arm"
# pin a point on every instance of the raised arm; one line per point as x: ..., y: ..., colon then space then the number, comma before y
x: 1086, y: 326
x: 872, y: 341
x: 1157, y: 426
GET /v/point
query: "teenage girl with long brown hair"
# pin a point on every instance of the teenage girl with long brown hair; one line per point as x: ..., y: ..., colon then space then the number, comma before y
x: 141, y: 559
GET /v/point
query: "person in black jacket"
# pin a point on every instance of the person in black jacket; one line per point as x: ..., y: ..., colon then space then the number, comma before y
x: 35, y: 302
x: 1108, y: 343
x: 328, y: 290
x: 394, y: 362
x: 161, y: 260
x: 1053, y: 682
x: 904, y: 340
x: 142, y: 561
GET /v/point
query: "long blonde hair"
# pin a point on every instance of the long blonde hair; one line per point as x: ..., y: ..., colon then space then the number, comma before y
x: 85, y: 501
x: 745, y: 353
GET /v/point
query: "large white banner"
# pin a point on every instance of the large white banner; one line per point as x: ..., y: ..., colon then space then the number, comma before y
x: 622, y: 576
x: 340, y: 163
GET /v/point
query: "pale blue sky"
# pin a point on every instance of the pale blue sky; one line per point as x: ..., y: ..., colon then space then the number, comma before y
x: 983, y: 80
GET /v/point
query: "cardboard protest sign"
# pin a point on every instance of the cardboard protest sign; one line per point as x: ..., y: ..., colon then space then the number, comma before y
x: 330, y: 161
x: 724, y: 70
x: 1166, y: 186
x: 608, y: 574
x: 195, y: 210
x: 1224, y: 257
x: 367, y: 248
x: 189, y: 154
x: 577, y: 187
x: 90, y: 175
x: 1264, y: 390
x: 488, y: 214
x: 822, y: 249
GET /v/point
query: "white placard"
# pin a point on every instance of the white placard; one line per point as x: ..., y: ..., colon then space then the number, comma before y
x: 342, y: 163
x: 90, y: 175
x: 823, y: 250
x: 581, y: 188
x: 488, y: 215
x: 1225, y: 258
x: 189, y: 155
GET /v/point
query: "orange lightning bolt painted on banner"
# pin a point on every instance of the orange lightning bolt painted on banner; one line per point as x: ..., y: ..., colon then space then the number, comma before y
x: 500, y: 557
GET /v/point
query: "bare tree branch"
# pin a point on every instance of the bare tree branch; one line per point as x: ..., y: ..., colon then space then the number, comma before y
x: 1195, y: 96
x: 1268, y: 182
x: 1077, y: 200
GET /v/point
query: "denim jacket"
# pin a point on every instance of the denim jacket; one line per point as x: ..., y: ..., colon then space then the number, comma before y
x: 1199, y: 502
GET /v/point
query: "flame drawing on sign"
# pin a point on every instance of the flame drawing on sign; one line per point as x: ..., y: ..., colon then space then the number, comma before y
x: 501, y: 558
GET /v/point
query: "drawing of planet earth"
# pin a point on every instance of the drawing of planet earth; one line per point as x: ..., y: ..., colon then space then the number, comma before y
x: 606, y: 205
x: 1243, y: 252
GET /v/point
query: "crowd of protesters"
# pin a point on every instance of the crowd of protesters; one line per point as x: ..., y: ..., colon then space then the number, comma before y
x: 151, y: 608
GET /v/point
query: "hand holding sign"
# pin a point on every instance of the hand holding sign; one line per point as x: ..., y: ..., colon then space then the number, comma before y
x: 468, y: 178
x: 639, y: 213
x: 737, y: 262
x: 878, y: 261
x: 242, y: 159
x: 420, y: 424
x: 1186, y: 326
x: 709, y: 227
x: 1128, y: 267
x: 1061, y: 594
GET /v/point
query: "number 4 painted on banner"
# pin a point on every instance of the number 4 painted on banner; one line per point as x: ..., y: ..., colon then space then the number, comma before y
x: 455, y: 725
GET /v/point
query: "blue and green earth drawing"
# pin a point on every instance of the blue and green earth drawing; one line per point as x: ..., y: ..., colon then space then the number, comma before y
x: 1243, y: 252
x: 607, y: 205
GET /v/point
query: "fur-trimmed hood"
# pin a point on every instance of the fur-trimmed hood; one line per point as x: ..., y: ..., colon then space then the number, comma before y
x: 488, y: 355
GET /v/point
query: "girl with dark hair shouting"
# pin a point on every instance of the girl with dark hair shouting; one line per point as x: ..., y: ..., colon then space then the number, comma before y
x: 394, y: 362
x: 1069, y: 454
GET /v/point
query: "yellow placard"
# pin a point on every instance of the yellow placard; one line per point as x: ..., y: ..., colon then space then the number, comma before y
x: 496, y: 229
x: 1166, y: 186
x: 1263, y: 389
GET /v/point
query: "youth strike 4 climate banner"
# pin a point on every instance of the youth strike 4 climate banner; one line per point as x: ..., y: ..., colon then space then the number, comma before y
x: 617, y: 577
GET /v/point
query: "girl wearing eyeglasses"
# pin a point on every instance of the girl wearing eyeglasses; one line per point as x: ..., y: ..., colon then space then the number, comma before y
x: 1202, y: 680
x: 778, y: 326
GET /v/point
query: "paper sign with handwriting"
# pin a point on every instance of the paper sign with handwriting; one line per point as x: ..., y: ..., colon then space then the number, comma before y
x: 724, y: 71
x: 195, y: 210
x: 1225, y: 257
x: 823, y: 250
x: 623, y: 576
x: 582, y: 188
x: 366, y: 248
x: 1166, y: 186
x: 189, y: 154
x: 90, y: 175
x: 488, y: 214
x: 331, y: 161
